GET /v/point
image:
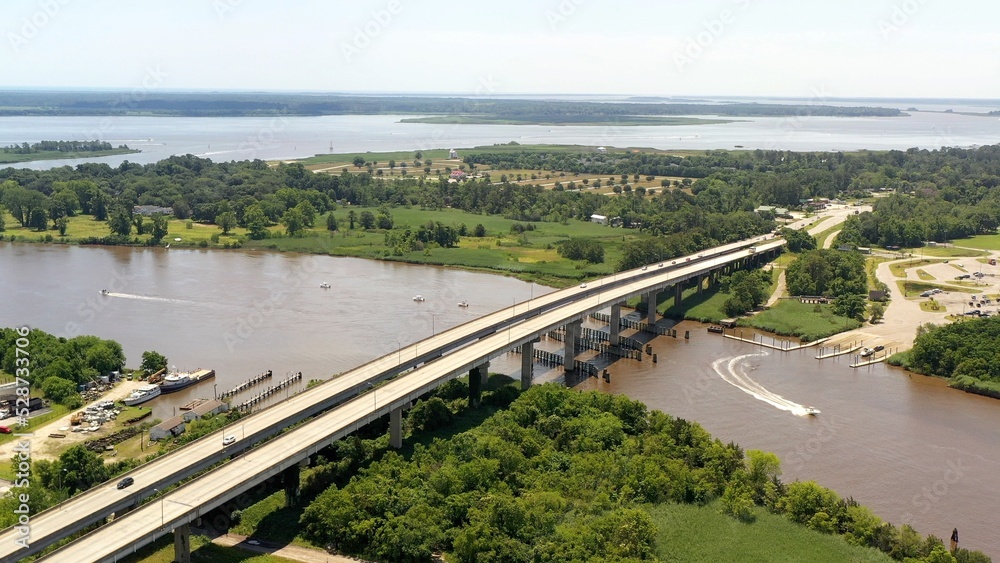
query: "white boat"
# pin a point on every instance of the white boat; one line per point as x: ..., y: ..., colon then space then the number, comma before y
x: 418, y: 298
x: 142, y: 394
x: 463, y: 304
x: 812, y: 411
x: 325, y: 285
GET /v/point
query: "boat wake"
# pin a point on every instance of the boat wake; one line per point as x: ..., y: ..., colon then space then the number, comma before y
x: 734, y: 372
x: 146, y: 298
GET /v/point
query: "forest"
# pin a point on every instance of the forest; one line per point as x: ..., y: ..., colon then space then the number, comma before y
x: 562, y: 475
x: 964, y: 352
x: 60, y: 146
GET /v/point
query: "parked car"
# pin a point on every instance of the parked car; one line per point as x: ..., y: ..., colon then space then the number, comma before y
x: 125, y: 482
x: 5, y: 430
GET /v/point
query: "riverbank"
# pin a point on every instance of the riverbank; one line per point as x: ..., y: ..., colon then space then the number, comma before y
x: 12, y: 158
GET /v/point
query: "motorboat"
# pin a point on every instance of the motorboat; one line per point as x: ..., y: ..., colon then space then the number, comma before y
x: 878, y: 348
x: 105, y: 292
x: 143, y: 394
x: 463, y: 304
x: 716, y: 328
x: 867, y: 352
x: 418, y: 298
x: 811, y: 411
x: 324, y: 285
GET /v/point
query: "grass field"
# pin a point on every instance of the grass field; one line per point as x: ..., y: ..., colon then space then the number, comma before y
x: 914, y: 288
x: 532, y: 256
x: 830, y: 232
x: 985, y: 242
x: 924, y: 276
x: 943, y: 252
x: 702, y: 533
x: 790, y: 317
x: 8, y: 158
x: 899, y: 268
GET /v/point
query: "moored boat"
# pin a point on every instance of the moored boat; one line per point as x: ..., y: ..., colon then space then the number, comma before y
x: 181, y: 380
x: 716, y: 328
x: 142, y: 394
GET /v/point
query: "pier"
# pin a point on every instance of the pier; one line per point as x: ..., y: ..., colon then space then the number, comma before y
x: 246, y: 385
x: 248, y: 405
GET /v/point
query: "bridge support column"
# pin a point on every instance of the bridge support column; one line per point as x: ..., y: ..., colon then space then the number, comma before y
x: 477, y: 378
x: 569, y: 349
x: 290, y: 479
x: 701, y: 283
x: 678, y: 294
x: 182, y: 544
x: 651, y: 308
x: 396, y: 428
x: 615, y: 326
x: 527, y: 364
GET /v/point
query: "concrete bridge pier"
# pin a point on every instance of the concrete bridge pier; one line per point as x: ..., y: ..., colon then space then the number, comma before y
x: 651, y: 307
x: 182, y: 543
x: 569, y: 350
x: 527, y: 364
x: 477, y: 379
x: 615, y: 325
x: 678, y: 294
x: 290, y: 479
x: 396, y: 428
x: 701, y: 283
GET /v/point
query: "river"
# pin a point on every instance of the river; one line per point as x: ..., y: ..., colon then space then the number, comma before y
x: 909, y: 447
x: 241, y: 138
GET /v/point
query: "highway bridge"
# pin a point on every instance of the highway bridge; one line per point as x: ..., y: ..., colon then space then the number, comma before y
x: 339, y: 407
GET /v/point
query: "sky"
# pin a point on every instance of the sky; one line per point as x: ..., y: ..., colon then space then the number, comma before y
x: 782, y: 48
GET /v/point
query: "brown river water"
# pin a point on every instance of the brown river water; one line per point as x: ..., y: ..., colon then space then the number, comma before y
x: 907, y: 446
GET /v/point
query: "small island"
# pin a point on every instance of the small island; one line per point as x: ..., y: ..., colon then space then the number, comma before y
x: 53, y: 150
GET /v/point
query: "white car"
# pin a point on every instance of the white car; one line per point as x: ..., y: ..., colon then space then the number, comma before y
x: 583, y: 285
x: 228, y: 440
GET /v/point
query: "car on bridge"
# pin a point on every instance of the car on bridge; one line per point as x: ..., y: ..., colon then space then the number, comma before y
x: 125, y: 482
x: 228, y: 440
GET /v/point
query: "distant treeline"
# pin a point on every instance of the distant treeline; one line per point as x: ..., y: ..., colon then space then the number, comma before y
x: 240, y: 104
x: 60, y: 146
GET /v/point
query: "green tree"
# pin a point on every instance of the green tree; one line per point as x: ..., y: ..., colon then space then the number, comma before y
x: 61, y: 223
x: 359, y: 161
x: 160, y: 228
x: 3, y: 224
x: 384, y: 220
x: 83, y: 469
x: 38, y: 220
x: 367, y: 220
x: 352, y: 217
x: 58, y: 389
x: 850, y: 306
x: 308, y: 213
x: 106, y: 356
x: 331, y: 222
x: 479, y: 231
x: 120, y: 222
x: 152, y: 362
x: 226, y: 221
x: 798, y: 239
x: 293, y: 222
x: 256, y: 222
x: 877, y: 311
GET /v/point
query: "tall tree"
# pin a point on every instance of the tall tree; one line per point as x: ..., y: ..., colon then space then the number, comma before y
x: 120, y: 222
x: 226, y: 221
x: 293, y: 222
x: 160, y: 228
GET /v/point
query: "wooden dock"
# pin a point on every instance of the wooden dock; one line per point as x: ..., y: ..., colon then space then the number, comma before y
x: 775, y: 346
x: 840, y: 353
x: 870, y: 362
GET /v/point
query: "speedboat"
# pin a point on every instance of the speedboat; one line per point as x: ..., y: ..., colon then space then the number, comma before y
x: 418, y: 298
x: 866, y: 352
x: 812, y: 411
x: 105, y: 292
x: 463, y: 304
x: 325, y: 285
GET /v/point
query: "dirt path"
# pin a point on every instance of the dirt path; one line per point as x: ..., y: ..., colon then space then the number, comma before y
x: 779, y: 291
x: 293, y: 552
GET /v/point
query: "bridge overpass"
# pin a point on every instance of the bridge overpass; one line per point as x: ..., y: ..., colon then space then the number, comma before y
x: 426, y: 364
